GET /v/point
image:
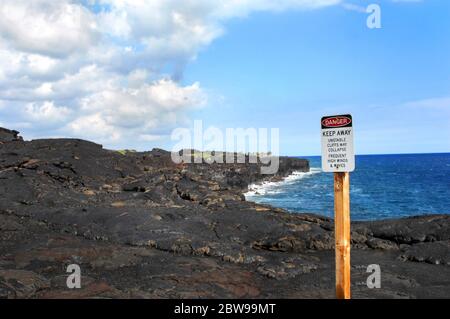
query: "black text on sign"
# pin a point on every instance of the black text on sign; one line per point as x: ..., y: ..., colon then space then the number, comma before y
x: 337, y: 144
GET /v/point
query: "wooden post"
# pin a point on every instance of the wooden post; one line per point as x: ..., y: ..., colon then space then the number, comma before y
x: 342, y: 233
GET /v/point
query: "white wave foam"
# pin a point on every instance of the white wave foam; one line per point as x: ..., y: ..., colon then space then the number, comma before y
x: 269, y: 188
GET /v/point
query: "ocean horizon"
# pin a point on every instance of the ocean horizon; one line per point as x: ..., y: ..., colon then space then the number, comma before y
x: 383, y: 186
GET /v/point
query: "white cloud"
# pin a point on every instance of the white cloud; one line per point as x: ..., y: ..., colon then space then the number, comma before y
x: 361, y: 8
x: 93, y: 126
x: 96, y: 68
x: 439, y: 103
x: 52, y: 28
x: 144, y: 108
x: 354, y: 7
x: 47, y: 112
x: 149, y: 137
x: 168, y: 30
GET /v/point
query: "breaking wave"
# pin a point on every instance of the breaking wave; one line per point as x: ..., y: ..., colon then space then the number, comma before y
x: 268, y: 188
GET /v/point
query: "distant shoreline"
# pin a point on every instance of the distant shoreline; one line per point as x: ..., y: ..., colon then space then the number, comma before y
x: 382, y: 187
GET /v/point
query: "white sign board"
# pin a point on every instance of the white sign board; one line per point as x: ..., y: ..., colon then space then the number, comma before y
x: 337, y: 144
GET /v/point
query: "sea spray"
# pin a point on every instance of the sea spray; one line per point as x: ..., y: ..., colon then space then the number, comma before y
x: 382, y: 186
x: 269, y: 187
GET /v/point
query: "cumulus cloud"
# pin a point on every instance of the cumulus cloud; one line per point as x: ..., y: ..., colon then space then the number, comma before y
x: 53, y: 28
x: 97, y: 69
x: 136, y: 110
x: 47, y: 112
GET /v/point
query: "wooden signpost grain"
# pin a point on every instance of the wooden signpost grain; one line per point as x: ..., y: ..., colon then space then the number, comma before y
x: 342, y: 233
x: 338, y: 157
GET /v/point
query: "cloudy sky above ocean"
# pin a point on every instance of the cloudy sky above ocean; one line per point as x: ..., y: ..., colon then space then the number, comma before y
x: 124, y: 73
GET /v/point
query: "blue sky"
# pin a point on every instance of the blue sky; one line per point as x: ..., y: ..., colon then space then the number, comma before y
x: 126, y: 73
x: 287, y: 70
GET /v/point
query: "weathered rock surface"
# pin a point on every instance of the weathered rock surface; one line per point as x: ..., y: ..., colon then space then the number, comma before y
x: 141, y: 226
x: 8, y: 135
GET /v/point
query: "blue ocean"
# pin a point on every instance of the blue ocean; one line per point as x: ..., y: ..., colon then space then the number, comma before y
x: 381, y: 187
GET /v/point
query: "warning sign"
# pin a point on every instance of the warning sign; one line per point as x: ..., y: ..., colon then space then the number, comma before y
x: 337, y: 144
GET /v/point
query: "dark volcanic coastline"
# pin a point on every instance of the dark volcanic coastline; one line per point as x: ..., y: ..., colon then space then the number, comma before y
x: 140, y: 226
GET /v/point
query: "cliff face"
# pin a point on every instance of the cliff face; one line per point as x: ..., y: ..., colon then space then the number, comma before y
x: 9, y: 136
x: 141, y: 226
